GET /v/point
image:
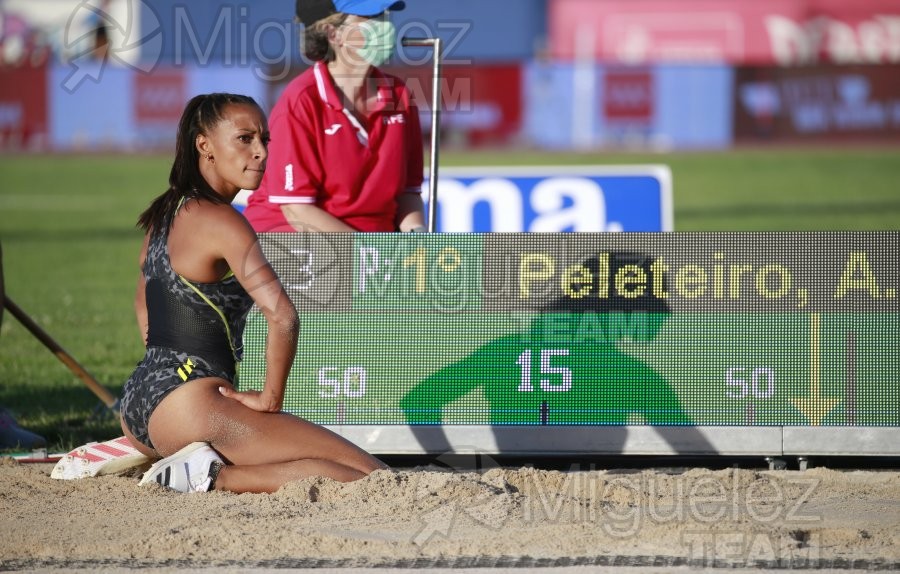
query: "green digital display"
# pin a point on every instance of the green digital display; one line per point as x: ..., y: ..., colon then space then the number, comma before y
x: 667, y: 329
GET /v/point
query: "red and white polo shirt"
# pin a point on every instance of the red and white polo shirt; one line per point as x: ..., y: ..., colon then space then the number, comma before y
x: 321, y: 154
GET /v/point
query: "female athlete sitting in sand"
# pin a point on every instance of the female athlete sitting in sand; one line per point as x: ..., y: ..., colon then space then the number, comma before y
x: 201, y: 270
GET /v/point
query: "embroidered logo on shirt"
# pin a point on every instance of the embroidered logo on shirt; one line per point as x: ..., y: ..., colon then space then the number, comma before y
x: 394, y: 119
x: 333, y: 129
x: 185, y: 370
x: 289, y: 177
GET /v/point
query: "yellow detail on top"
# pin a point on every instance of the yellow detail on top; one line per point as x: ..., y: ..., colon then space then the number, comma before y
x: 216, y: 309
x: 186, y: 369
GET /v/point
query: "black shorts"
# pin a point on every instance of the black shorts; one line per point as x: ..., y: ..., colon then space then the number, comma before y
x: 160, y: 372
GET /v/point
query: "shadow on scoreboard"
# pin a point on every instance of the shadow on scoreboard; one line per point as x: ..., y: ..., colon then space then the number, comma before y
x: 551, y: 389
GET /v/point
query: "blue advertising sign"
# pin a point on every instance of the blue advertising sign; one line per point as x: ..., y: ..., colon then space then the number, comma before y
x: 555, y: 199
x: 550, y: 199
x: 571, y: 105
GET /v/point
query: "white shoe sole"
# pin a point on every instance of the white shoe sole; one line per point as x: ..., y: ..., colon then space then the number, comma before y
x: 97, y: 459
x: 148, y: 476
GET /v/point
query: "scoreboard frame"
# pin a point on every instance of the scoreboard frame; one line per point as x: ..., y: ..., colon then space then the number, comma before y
x: 795, y: 334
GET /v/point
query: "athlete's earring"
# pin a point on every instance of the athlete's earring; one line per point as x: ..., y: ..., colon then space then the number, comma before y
x: 209, y: 158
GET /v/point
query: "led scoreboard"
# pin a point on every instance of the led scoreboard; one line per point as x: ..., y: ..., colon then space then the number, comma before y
x: 644, y: 343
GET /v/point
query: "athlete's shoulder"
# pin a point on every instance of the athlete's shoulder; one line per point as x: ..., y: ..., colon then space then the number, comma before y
x: 204, y: 211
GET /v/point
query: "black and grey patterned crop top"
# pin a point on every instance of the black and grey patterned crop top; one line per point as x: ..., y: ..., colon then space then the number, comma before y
x: 206, y: 319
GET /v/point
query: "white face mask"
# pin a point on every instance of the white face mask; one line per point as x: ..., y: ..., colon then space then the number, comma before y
x: 380, y: 38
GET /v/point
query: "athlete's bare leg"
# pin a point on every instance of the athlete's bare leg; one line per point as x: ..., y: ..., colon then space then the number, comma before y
x: 263, y: 450
x: 138, y: 445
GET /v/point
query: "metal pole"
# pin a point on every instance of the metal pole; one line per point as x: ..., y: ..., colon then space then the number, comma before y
x: 435, y: 44
x: 6, y: 303
x: 104, y: 395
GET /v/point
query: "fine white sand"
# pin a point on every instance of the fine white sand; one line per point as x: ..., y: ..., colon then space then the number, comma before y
x: 433, y: 516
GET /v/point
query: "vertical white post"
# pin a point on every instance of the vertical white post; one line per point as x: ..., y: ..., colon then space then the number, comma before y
x: 584, y: 97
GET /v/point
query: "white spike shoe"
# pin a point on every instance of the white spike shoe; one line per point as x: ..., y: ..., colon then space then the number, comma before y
x: 188, y: 470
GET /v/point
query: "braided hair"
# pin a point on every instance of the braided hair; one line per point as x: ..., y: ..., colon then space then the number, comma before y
x: 200, y: 116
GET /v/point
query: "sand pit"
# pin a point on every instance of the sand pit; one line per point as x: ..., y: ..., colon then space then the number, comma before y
x: 433, y: 516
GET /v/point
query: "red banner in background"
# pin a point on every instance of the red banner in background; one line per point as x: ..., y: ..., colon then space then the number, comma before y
x: 817, y: 103
x: 160, y: 96
x: 481, y: 104
x: 23, y: 107
x: 628, y: 96
x: 158, y: 102
x: 759, y: 32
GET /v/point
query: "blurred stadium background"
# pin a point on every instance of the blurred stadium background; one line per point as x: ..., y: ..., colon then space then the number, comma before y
x: 771, y: 114
x: 548, y: 74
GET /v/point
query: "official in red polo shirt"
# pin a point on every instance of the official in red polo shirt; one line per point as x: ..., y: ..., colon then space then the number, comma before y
x: 346, y: 152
